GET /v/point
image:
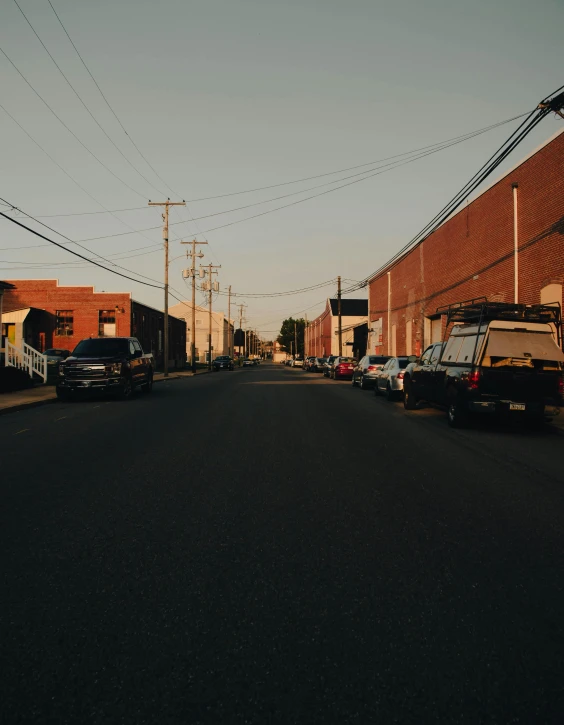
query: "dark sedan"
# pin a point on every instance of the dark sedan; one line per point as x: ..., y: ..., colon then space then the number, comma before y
x: 222, y: 362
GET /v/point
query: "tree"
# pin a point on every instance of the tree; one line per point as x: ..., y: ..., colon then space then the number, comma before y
x: 289, y: 331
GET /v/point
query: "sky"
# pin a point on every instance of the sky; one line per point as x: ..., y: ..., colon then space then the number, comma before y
x: 226, y: 96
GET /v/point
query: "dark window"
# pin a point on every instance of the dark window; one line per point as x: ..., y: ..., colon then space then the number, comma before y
x: 64, y: 322
x: 403, y: 362
x: 100, y: 347
x: 378, y: 359
x: 107, y: 323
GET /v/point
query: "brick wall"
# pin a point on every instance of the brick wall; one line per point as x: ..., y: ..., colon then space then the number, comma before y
x: 471, y: 255
x: 83, y: 301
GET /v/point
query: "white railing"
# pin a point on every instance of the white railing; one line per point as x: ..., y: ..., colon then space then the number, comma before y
x: 26, y: 358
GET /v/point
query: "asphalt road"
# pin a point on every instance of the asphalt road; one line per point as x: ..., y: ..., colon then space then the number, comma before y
x: 267, y: 546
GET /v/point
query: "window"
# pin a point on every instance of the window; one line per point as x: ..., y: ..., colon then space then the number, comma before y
x: 137, y: 346
x: 107, y: 323
x: 394, y: 339
x: 435, y: 354
x: 408, y: 336
x: 426, y: 357
x: 131, y: 348
x: 466, y: 352
x: 64, y: 322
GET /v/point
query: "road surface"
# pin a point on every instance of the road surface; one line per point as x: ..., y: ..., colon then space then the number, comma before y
x: 267, y: 546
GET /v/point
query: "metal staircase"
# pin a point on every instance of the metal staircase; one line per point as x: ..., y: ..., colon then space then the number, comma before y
x: 26, y: 358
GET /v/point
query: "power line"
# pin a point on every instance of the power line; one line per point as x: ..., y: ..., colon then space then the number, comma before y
x: 357, y: 166
x: 63, y: 246
x: 365, y: 175
x: 109, y: 105
x: 82, y: 101
x: 76, y: 254
x: 68, y: 128
x: 533, y: 119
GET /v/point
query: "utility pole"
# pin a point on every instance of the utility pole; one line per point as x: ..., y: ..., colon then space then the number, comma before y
x: 296, y: 337
x: 192, y: 273
x: 240, y: 306
x: 306, y: 338
x: 168, y: 203
x: 229, y: 322
x: 340, y: 316
x: 211, y: 286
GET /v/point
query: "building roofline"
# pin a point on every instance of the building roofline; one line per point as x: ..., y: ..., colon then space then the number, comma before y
x: 526, y: 158
x: 68, y: 286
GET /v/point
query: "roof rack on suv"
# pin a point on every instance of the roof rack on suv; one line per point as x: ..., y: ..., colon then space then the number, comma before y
x: 480, y: 310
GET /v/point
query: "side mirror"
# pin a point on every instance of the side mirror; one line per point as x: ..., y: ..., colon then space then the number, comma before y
x: 138, y: 353
x: 413, y: 359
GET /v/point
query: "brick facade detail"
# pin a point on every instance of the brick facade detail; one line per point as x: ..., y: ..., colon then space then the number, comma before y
x: 472, y: 255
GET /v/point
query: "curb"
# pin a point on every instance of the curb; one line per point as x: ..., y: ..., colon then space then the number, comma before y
x: 44, y: 401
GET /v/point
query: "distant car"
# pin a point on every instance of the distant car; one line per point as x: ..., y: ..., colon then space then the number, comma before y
x: 54, y: 356
x: 389, y: 380
x: 327, y: 369
x: 309, y: 364
x: 247, y: 363
x: 297, y: 362
x: 222, y: 362
x: 319, y: 364
x: 288, y: 361
x: 343, y: 368
x: 366, y: 371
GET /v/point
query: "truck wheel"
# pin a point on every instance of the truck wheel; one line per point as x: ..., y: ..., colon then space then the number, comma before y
x: 126, y: 389
x: 363, y: 385
x: 148, y: 386
x: 409, y: 399
x: 390, y: 394
x: 457, y: 413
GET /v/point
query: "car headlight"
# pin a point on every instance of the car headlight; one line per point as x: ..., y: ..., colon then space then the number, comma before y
x: 114, y: 368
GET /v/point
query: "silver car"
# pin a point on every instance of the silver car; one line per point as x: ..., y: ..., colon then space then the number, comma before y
x: 366, y: 371
x: 389, y: 380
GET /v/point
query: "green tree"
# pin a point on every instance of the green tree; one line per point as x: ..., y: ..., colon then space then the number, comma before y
x: 289, y: 331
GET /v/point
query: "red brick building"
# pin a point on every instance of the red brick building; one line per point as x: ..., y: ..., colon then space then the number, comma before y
x: 473, y: 254
x: 321, y: 338
x: 50, y: 315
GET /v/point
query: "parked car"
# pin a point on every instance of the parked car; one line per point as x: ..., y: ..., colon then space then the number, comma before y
x: 54, y: 356
x: 368, y: 367
x: 501, y: 359
x: 389, y: 380
x: 319, y: 364
x: 106, y: 364
x: 247, y: 362
x: 309, y: 364
x: 342, y: 368
x: 328, y: 363
x: 222, y: 362
x: 297, y: 362
x: 288, y: 361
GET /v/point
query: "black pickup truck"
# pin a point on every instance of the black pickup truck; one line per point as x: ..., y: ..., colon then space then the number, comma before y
x: 106, y: 364
x: 500, y: 359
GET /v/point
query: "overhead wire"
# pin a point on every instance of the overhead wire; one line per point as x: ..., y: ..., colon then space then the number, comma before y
x: 76, y: 93
x: 532, y: 120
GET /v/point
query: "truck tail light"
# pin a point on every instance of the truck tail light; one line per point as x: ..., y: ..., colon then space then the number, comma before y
x: 400, y: 376
x: 473, y: 379
x: 373, y: 367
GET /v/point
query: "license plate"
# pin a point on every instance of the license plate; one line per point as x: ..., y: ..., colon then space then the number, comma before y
x: 516, y: 406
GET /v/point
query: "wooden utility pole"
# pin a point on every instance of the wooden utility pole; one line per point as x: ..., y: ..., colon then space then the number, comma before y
x: 209, y: 268
x: 340, y: 330
x: 167, y: 204
x: 296, y: 338
x: 229, y: 340
x: 192, y: 273
x: 306, y: 339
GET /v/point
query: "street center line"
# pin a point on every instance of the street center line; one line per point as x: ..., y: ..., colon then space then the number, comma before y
x: 23, y: 430
x: 61, y: 418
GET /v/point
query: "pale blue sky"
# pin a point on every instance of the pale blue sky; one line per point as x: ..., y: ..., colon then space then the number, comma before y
x: 223, y: 96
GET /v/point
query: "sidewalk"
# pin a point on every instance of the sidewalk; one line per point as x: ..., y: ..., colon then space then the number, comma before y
x: 43, y: 394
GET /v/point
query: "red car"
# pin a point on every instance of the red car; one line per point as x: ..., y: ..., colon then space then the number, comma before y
x: 342, y: 368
